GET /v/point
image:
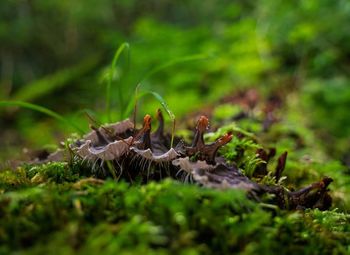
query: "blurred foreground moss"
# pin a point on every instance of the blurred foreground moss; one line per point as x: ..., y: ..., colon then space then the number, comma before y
x: 57, y: 209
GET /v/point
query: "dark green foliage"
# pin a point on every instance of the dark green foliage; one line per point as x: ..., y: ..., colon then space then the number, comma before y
x: 330, y: 101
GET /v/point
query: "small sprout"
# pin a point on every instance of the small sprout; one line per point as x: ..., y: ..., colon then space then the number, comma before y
x: 202, y: 126
x: 146, y: 137
x: 271, y: 154
x: 261, y: 169
x: 160, y: 130
x: 281, y: 164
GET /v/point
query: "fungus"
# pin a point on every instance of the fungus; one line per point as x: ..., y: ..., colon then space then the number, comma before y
x: 143, y: 155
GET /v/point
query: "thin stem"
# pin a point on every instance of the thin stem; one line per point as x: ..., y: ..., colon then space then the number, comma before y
x: 125, y: 45
x: 172, y: 133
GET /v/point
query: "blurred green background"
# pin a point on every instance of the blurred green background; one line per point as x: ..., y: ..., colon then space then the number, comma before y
x: 58, y: 54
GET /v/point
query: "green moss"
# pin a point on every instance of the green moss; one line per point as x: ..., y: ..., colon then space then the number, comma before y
x: 52, y: 172
x: 163, y: 218
x: 13, y: 179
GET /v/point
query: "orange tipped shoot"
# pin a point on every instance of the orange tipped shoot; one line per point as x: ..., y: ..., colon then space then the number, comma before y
x: 203, y: 123
x: 147, y: 122
x: 227, y: 138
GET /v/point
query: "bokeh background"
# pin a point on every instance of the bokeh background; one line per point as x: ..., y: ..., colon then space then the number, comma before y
x: 58, y: 54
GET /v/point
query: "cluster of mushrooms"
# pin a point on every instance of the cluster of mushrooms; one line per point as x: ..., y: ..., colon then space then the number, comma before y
x: 138, y: 155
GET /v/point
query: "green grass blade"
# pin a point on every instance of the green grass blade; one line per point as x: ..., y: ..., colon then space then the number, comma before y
x: 50, y: 83
x: 133, y: 102
x: 43, y: 110
x: 168, y: 111
x: 172, y: 63
x: 163, y: 103
x: 124, y: 46
x: 156, y: 70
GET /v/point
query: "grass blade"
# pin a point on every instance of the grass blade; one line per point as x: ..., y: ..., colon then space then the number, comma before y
x: 173, y: 62
x: 124, y: 46
x: 163, y: 103
x: 168, y: 111
x: 155, y: 70
x: 43, y: 110
x: 132, y: 103
x: 50, y: 83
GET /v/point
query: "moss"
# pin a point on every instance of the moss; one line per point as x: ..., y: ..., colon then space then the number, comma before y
x: 162, y: 218
x: 13, y: 179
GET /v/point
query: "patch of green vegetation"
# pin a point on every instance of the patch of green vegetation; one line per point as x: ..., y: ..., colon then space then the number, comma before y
x: 225, y: 111
x: 13, y: 179
x: 30, y: 175
x: 90, y: 216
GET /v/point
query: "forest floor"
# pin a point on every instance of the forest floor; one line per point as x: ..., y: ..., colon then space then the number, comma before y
x: 68, y: 207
